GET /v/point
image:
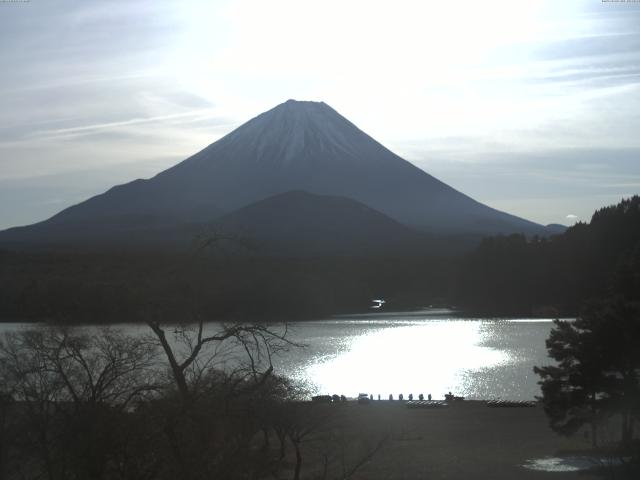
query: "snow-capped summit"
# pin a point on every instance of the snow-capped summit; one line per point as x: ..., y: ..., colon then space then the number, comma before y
x: 298, y: 145
x: 294, y: 132
x: 283, y: 134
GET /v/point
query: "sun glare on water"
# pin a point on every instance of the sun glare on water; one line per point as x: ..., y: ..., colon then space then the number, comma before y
x: 429, y: 357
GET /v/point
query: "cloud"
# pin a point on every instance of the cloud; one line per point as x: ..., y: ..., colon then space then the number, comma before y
x: 531, y: 107
x: 96, y: 128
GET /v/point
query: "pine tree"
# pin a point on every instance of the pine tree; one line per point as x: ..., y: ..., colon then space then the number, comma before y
x: 597, y: 375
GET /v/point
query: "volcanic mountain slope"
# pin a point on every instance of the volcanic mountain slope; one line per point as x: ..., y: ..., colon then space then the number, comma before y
x: 295, y: 223
x: 298, y: 223
x: 304, y: 146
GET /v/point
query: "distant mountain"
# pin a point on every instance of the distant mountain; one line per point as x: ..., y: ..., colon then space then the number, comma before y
x: 304, y: 146
x: 300, y: 223
x: 555, y: 229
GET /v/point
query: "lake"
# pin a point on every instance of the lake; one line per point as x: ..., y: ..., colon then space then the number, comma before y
x: 428, y: 351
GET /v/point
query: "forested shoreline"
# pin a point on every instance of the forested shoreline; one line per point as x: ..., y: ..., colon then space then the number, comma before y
x: 555, y: 276
x: 109, y: 288
x: 505, y: 275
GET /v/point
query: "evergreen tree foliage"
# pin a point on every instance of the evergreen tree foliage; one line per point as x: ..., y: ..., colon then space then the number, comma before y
x: 518, y: 275
x: 597, y: 375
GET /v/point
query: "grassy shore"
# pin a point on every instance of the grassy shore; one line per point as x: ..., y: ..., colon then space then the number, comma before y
x: 466, y: 440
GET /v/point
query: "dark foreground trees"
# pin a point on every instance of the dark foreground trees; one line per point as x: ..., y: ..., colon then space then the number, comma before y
x: 64, y: 396
x: 183, y: 403
x: 597, y: 377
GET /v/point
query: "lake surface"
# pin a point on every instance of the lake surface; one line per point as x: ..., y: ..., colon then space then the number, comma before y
x: 429, y: 351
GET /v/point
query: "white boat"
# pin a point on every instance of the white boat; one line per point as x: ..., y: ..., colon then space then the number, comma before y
x: 378, y: 303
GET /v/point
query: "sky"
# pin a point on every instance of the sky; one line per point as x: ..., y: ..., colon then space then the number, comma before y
x: 532, y: 107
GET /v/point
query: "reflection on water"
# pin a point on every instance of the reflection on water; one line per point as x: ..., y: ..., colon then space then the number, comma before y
x: 571, y: 464
x: 430, y: 351
x: 420, y: 352
x: 418, y: 358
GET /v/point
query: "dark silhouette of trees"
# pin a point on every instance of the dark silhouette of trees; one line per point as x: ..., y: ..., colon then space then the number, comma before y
x: 597, y: 376
x: 210, y: 422
x: 108, y: 287
x: 503, y: 275
x: 256, y: 342
x: 108, y: 406
x: 68, y: 392
x: 518, y: 275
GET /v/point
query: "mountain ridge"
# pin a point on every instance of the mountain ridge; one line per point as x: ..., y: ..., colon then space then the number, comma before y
x: 297, y: 145
x: 298, y: 223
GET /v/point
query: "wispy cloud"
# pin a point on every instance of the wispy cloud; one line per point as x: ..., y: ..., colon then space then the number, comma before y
x: 530, y: 106
x: 175, y: 119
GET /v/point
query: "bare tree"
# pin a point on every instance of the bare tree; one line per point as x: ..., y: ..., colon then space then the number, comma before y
x: 344, y: 457
x: 300, y: 421
x: 256, y: 342
x: 317, y: 431
x: 6, y: 402
x: 250, y: 347
x: 69, y: 391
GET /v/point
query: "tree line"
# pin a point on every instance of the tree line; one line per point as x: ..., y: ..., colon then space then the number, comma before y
x: 504, y: 275
x: 594, y: 382
x: 515, y: 275
x: 110, y: 287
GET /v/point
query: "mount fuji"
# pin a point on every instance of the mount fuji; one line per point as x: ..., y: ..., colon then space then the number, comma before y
x: 297, y: 146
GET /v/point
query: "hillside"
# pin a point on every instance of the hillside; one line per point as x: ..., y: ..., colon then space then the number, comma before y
x: 512, y: 274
